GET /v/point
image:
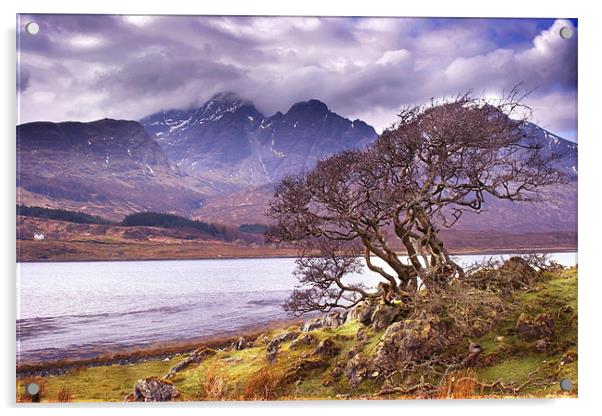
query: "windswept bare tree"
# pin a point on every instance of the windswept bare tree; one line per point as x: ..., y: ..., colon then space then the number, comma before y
x: 419, y: 176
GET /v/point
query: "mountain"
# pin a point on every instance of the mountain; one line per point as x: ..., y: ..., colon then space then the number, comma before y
x: 557, y: 211
x: 106, y: 167
x: 563, y: 150
x: 220, y: 163
x: 244, y: 206
x: 229, y: 141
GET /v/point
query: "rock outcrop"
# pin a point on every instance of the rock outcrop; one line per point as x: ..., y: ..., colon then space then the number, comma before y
x: 328, y: 320
x: 241, y: 344
x: 195, y: 357
x: 327, y: 348
x: 362, y: 312
x: 542, y: 345
x: 532, y: 330
x: 384, y: 315
x: 303, y: 339
x: 152, y: 389
x: 356, y: 369
x: 410, y: 340
x: 283, y: 337
x: 274, y: 345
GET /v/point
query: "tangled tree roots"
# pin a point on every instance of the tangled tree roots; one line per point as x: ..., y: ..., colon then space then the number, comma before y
x: 461, y: 384
x: 465, y: 311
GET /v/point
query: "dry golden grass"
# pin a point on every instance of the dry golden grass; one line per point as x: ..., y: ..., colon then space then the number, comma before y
x: 213, y: 385
x: 262, y: 385
x: 121, y: 249
x: 458, y: 385
x: 64, y: 395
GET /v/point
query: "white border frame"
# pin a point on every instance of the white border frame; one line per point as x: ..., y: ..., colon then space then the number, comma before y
x: 589, y: 153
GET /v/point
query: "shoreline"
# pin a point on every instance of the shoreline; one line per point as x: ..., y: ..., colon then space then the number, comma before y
x: 460, y: 252
x: 154, y: 351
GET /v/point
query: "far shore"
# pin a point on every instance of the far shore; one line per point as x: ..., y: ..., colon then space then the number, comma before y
x: 202, y: 252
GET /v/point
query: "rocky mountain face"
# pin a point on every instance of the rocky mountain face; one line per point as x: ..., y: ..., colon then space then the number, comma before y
x: 106, y: 167
x: 229, y: 141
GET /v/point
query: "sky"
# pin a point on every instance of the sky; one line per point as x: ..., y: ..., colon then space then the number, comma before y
x: 87, y: 67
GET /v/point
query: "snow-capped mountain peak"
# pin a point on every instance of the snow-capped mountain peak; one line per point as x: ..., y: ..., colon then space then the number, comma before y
x: 229, y: 138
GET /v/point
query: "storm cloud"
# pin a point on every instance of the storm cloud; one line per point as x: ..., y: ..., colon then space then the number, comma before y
x: 83, y: 67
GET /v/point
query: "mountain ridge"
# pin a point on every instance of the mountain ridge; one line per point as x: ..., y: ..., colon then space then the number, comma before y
x: 228, y: 134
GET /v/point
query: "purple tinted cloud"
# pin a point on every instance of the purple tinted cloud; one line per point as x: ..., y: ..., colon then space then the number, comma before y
x: 87, y: 67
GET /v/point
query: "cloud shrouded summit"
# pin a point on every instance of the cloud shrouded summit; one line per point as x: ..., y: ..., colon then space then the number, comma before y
x: 89, y: 67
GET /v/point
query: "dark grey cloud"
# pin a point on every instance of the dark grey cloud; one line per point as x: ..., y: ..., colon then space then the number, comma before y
x: 85, y: 67
x: 22, y: 80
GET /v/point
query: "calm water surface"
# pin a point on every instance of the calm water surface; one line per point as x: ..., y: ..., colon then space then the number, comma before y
x: 77, y: 310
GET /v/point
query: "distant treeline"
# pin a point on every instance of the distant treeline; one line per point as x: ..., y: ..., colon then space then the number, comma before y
x: 158, y: 219
x: 151, y: 219
x: 61, y: 215
x: 253, y: 228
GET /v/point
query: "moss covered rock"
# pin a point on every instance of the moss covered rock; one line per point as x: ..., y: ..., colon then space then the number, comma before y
x: 152, y: 389
x: 362, y: 312
x: 327, y: 348
x: 410, y: 340
x: 384, y: 315
x: 539, y: 328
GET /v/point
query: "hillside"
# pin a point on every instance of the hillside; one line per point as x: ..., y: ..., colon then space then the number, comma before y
x: 106, y: 167
x: 69, y: 241
x: 557, y: 212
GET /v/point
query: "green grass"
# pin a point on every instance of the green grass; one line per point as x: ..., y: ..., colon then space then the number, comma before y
x: 514, y: 361
x: 511, y: 370
x: 239, y: 367
x: 103, y: 383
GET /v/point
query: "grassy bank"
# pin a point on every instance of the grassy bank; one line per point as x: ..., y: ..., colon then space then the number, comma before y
x: 507, y: 367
